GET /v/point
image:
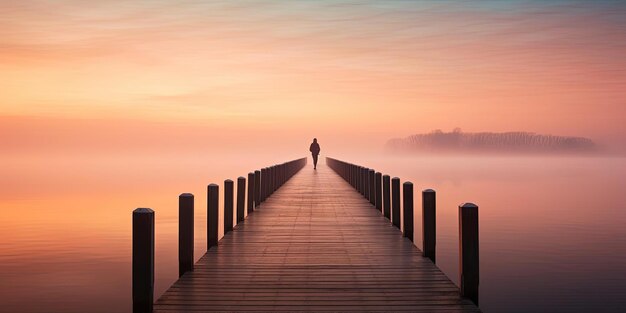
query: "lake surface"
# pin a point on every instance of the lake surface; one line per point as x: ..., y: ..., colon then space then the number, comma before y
x: 552, y: 235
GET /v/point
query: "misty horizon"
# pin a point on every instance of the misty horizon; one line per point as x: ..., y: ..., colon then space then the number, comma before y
x: 67, y: 137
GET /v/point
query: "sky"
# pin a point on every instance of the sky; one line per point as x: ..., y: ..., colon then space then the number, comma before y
x: 145, y: 76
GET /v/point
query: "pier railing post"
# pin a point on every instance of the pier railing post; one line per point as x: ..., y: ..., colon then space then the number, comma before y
x: 241, y: 198
x: 273, y: 179
x: 185, y: 233
x: 407, y: 194
x: 468, y: 251
x: 361, y: 181
x: 379, y: 191
x: 386, y: 196
x: 285, y: 174
x: 372, y: 186
x: 366, y: 184
x: 267, y: 184
x: 429, y: 224
x: 213, y: 197
x: 270, y: 182
x: 143, y: 260
x: 264, y: 182
x: 228, y: 205
x: 352, y: 176
x: 357, y: 177
x: 251, y: 181
x: 257, y: 188
x: 395, y: 202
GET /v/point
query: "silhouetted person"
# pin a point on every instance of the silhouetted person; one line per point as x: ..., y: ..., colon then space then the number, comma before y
x: 315, y: 150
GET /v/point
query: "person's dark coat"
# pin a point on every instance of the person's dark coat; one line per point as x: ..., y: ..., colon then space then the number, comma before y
x: 315, y: 148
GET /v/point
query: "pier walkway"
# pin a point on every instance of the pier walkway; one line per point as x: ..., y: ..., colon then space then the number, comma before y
x: 314, y: 245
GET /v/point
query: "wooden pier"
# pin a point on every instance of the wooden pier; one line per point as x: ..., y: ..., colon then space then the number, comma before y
x: 316, y: 244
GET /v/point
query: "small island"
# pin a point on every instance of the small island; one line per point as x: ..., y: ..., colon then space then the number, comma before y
x: 491, y: 142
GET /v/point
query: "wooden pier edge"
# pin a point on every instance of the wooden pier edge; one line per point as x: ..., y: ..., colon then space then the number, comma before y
x: 468, y: 224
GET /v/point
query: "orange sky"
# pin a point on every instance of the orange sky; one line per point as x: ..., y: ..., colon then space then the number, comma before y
x: 134, y: 75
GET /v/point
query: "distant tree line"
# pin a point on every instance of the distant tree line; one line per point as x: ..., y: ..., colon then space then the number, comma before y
x: 457, y: 140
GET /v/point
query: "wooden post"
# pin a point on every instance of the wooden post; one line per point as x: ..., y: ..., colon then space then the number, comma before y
x: 143, y: 260
x: 283, y: 174
x: 395, y: 202
x: 264, y: 182
x: 228, y: 205
x: 372, y: 186
x: 279, y: 176
x: 357, y: 174
x: 250, y: 192
x: 407, y: 193
x: 468, y: 251
x: 353, y: 177
x: 348, y: 173
x: 274, y: 180
x: 185, y: 233
x: 386, y: 197
x: 241, y: 198
x: 257, y: 188
x: 270, y: 182
x: 213, y: 197
x: 360, y: 179
x: 366, y: 184
x: 379, y: 191
x: 429, y: 224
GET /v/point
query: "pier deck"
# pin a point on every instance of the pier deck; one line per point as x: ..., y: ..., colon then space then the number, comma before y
x: 315, y: 245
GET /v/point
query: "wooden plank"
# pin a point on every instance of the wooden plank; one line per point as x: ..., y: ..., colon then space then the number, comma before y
x: 314, y: 245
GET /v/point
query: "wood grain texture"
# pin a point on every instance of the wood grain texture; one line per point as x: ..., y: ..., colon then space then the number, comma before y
x: 314, y: 245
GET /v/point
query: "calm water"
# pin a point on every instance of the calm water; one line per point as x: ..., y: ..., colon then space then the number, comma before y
x: 551, y: 229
